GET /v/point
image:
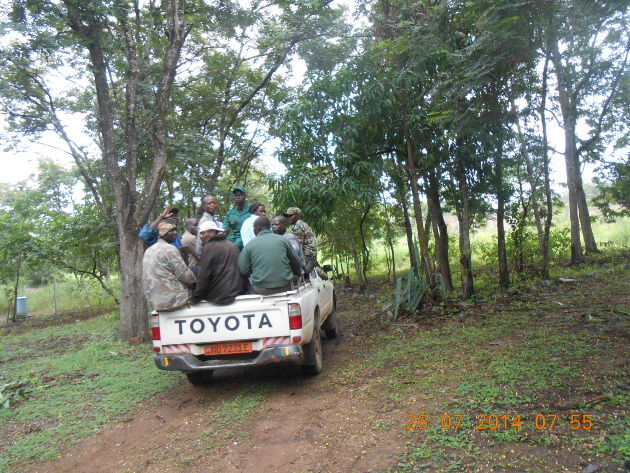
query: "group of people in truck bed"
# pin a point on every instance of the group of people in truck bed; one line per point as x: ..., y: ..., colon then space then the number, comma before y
x: 216, y: 261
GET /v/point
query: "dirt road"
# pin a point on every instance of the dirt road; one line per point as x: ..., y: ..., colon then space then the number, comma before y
x: 306, y: 424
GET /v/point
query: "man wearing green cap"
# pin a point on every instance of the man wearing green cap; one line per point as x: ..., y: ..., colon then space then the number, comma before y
x: 235, y: 217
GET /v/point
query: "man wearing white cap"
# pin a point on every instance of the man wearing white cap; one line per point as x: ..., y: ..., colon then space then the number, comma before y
x: 218, y: 279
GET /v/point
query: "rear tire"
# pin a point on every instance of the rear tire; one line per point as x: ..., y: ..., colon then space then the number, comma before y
x: 313, y: 358
x: 199, y: 378
x: 330, y: 324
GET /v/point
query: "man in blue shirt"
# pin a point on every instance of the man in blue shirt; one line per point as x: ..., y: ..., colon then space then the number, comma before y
x: 149, y: 233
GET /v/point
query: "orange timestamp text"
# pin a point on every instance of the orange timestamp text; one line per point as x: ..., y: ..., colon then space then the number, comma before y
x: 498, y: 421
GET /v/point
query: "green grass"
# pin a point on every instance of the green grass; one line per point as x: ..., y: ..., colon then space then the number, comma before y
x: 80, y: 378
x: 523, y: 360
x: 512, y: 361
x: 72, y: 295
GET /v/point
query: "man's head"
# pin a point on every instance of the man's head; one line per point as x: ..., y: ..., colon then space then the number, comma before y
x: 279, y: 225
x: 257, y: 209
x: 293, y: 214
x: 192, y: 225
x: 240, y: 194
x: 209, y: 204
x: 173, y: 217
x: 208, y: 229
x: 261, y: 223
x: 167, y: 231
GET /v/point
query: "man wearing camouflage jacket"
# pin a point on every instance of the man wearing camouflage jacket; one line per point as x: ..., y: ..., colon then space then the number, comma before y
x: 304, y: 235
x: 168, y: 282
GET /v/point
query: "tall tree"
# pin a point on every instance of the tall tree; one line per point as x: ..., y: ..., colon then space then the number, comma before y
x: 128, y: 54
x: 588, y: 45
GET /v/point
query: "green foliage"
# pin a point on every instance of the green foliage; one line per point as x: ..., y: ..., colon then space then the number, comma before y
x: 72, y: 294
x: 410, y: 291
x: 614, y: 190
x: 525, y: 247
x: 13, y: 392
x: 89, y: 379
x: 45, y: 234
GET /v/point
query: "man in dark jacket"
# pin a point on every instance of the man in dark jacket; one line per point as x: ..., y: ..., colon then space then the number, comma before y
x: 219, y: 279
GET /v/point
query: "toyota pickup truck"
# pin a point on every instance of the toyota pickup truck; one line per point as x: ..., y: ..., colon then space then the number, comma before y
x: 253, y: 330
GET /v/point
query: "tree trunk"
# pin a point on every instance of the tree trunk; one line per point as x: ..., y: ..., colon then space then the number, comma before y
x: 365, y: 251
x: 413, y: 258
x: 569, y: 118
x: 585, y: 220
x: 131, y: 207
x: 357, y: 265
x: 569, y: 149
x: 504, y: 274
x: 548, y: 196
x: 132, y: 301
x: 463, y: 215
x: 440, y: 230
x: 390, y: 241
x: 16, y: 289
x: 531, y: 179
x: 415, y: 190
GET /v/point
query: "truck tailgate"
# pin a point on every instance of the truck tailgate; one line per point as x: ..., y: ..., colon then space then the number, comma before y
x: 248, y: 319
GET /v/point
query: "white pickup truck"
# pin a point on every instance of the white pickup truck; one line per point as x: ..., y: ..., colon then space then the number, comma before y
x: 253, y: 330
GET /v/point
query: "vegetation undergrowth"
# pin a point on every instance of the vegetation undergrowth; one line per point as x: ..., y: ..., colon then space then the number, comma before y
x: 513, y: 378
x: 509, y: 381
x: 79, y: 377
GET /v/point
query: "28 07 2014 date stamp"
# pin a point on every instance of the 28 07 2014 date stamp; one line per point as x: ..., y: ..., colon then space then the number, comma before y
x: 501, y: 421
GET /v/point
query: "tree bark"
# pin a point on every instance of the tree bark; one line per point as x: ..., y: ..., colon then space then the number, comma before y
x: 463, y: 215
x: 122, y: 168
x: 132, y: 301
x: 390, y: 240
x: 357, y: 265
x: 504, y: 273
x: 440, y: 230
x: 531, y: 179
x: 415, y: 189
x: 578, y: 210
x: 548, y: 196
x: 413, y: 258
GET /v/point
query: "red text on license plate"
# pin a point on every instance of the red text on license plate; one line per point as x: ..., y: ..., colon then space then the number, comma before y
x: 228, y: 348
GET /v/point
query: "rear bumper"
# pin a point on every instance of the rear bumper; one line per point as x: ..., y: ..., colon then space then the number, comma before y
x: 190, y: 363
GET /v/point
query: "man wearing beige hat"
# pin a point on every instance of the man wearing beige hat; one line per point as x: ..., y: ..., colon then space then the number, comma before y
x: 168, y: 282
x: 219, y: 279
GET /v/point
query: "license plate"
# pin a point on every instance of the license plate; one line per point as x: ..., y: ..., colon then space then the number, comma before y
x: 228, y: 348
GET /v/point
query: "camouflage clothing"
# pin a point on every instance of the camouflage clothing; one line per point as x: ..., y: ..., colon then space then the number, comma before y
x: 306, y: 238
x: 166, y: 277
x: 296, y: 246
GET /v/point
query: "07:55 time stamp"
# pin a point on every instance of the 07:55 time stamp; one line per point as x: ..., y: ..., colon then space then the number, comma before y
x: 496, y: 422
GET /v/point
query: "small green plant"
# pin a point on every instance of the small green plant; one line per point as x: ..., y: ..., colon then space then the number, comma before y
x: 13, y: 392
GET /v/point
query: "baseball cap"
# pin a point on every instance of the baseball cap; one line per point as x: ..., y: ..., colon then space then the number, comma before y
x: 292, y: 210
x: 239, y: 188
x: 209, y: 225
x: 164, y: 228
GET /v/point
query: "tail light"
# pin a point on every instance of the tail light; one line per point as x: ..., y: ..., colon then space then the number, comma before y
x: 155, y: 331
x: 295, y: 316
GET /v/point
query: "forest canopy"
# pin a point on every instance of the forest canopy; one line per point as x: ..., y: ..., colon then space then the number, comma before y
x: 407, y: 111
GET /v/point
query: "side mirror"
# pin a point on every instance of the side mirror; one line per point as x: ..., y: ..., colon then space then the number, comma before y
x: 328, y: 268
